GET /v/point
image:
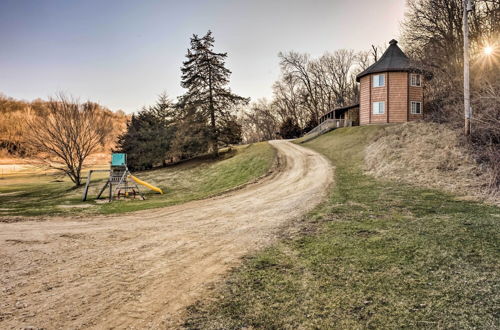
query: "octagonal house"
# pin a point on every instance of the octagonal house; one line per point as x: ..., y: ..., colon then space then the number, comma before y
x: 391, y: 91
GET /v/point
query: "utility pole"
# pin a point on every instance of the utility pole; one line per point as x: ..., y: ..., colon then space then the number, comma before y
x: 467, y: 109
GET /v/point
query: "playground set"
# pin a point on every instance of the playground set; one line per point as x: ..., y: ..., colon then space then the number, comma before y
x: 121, y: 182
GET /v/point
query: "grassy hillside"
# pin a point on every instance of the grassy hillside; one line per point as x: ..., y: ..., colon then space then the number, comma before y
x: 43, y: 195
x: 430, y: 155
x: 376, y: 254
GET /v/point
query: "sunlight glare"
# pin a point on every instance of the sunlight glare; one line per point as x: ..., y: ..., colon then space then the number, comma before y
x: 488, y: 50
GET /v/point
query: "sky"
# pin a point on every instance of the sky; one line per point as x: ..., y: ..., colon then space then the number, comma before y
x: 124, y: 53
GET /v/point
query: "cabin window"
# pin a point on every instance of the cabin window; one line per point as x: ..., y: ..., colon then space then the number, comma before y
x: 415, y: 80
x: 378, y: 108
x: 378, y: 80
x: 416, y: 108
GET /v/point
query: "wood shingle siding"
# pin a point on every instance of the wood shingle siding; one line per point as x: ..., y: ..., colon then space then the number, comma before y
x: 397, y: 96
x: 364, y: 101
x: 416, y: 94
x: 379, y: 94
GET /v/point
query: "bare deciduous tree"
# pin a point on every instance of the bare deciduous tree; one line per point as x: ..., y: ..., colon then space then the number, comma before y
x: 363, y: 61
x: 69, y: 132
x: 433, y: 36
x: 297, y: 66
x: 308, y: 88
x: 374, y: 52
x: 260, y: 122
x: 289, y: 100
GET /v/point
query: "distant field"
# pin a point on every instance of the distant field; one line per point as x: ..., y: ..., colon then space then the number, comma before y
x: 38, y: 193
x: 6, y: 169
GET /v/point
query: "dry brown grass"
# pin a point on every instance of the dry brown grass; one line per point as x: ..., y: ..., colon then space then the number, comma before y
x: 430, y: 155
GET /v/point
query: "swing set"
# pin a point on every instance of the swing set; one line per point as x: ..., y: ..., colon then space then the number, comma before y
x: 121, y: 183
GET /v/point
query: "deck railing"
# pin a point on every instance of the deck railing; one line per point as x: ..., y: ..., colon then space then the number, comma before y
x: 328, y: 125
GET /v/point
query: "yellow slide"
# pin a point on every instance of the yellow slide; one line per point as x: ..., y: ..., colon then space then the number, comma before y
x: 145, y: 184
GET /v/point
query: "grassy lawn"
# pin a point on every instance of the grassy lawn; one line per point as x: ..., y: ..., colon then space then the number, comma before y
x: 197, y: 179
x: 377, y: 254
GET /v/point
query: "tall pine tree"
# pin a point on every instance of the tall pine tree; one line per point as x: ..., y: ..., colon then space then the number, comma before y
x: 205, y: 77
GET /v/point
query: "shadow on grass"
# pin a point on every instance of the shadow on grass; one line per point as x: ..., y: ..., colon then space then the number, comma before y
x: 195, y: 179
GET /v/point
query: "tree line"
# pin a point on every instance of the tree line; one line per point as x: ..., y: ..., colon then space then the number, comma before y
x: 432, y: 37
x: 201, y: 121
x: 307, y: 88
x: 209, y: 115
x: 15, y: 115
x: 62, y: 132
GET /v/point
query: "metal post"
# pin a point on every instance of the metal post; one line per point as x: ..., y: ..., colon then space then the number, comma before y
x: 467, y: 112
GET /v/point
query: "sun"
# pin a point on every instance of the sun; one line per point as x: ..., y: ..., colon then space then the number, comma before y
x: 488, y: 50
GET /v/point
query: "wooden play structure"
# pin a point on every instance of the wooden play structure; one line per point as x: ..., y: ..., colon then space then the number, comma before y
x: 121, y: 183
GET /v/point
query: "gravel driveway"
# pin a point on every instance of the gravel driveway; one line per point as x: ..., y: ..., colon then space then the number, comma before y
x: 141, y: 269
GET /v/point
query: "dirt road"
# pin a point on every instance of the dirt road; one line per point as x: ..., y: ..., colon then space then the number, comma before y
x: 140, y: 270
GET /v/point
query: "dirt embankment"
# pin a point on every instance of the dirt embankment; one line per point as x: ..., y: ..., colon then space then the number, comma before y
x: 429, y: 155
x: 141, y: 269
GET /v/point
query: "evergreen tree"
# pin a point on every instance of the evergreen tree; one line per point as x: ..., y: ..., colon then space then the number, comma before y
x: 149, y: 136
x: 205, y: 77
x: 290, y: 129
x: 192, y: 135
x: 230, y: 132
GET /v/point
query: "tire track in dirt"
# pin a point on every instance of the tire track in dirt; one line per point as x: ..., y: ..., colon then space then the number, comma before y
x: 141, y: 269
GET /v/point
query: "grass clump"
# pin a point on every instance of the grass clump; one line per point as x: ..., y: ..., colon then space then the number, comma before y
x: 376, y: 254
x: 196, y: 179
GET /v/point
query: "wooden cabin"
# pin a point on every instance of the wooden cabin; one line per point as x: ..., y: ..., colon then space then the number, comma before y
x: 391, y: 91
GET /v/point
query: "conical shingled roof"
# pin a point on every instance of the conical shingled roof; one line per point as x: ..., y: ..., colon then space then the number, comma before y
x: 392, y: 60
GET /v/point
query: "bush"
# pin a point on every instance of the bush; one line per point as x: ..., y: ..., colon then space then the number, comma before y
x: 290, y: 129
